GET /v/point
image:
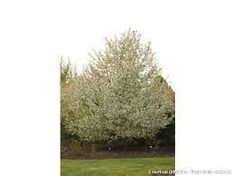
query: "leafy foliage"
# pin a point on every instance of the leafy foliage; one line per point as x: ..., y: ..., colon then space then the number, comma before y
x: 67, y: 75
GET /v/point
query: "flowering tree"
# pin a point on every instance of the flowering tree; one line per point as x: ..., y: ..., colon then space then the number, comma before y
x: 67, y: 75
x: 121, y: 93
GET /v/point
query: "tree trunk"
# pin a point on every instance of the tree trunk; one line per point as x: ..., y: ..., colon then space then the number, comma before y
x: 125, y: 146
x: 93, y: 150
x: 146, y: 145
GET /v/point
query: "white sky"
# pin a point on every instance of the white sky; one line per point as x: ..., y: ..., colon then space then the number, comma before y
x: 87, y: 24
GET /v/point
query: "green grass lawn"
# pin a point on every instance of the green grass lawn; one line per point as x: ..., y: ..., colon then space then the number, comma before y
x: 115, y: 167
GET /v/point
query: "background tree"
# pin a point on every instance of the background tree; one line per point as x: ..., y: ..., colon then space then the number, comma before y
x: 119, y: 94
x: 67, y: 74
